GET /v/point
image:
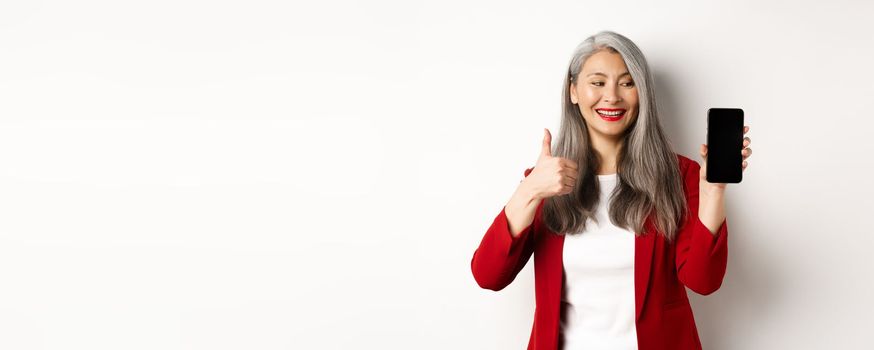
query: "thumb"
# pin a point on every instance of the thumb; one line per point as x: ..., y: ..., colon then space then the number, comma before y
x: 546, y: 150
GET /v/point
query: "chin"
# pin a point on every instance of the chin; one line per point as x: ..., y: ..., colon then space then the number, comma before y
x: 613, y: 131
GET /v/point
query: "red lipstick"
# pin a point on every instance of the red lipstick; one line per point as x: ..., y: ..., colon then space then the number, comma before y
x: 610, y: 114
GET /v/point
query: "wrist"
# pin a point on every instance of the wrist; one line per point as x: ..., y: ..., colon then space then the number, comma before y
x: 712, y: 224
x: 711, y: 190
x: 526, y: 194
x: 711, y: 216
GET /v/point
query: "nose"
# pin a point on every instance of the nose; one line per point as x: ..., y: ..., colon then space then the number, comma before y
x: 610, y: 95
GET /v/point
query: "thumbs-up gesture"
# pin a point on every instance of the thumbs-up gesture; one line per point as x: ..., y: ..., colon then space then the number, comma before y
x: 551, y: 176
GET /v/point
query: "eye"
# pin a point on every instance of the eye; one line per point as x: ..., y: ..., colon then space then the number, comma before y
x: 629, y: 84
x: 598, y: 82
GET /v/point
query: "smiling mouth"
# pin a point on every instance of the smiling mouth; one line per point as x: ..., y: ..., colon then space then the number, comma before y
x: 611, y: 114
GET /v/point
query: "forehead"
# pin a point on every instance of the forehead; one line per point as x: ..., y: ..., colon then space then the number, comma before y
x: 605, y: 62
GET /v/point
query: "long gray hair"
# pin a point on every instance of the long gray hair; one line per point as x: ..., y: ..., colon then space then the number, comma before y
x: 649, y: 176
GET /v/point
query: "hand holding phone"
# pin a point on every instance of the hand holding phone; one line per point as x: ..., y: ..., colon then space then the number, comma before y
x: 725, y: 129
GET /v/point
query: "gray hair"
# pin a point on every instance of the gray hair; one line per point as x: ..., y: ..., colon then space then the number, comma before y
x: 647, y: 167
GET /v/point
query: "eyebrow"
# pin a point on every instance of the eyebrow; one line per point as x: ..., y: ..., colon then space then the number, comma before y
x: 599, y: 73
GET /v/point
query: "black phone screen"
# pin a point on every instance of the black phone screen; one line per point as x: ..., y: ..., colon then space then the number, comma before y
x: 724, y: 145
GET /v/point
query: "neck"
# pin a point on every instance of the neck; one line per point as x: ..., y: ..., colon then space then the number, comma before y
x: 607, y: 150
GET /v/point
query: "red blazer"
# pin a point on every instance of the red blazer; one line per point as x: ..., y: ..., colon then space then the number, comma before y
x: 697, y: 260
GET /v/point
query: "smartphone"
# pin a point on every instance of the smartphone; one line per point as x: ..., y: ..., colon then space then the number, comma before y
x: 725, y: 134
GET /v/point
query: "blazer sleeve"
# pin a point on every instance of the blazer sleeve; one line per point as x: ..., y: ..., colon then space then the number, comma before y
x: 701, y: 256
x: 500, y: 256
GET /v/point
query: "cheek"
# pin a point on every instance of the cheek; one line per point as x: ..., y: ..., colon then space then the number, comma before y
x: 633, y: 98
x: 589, y: 96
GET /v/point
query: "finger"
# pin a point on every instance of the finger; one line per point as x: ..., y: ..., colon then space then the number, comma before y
x: 744, y: 166
x: 546, y: 149
x: 703, y: 150
x: 568, y: 181
x: 746, y: 128
x: 747, y: 141
x: 569, y: 164
x: 747, y: 152
x: 565, y: 189
x: 572, y: 174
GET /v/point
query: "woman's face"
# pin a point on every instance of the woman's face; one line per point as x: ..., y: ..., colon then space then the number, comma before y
x: 602, y: 89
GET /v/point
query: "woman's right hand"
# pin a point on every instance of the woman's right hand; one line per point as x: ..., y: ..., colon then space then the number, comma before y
x: 551, y: 176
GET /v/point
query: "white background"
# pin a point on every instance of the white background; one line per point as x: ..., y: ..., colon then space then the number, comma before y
x: 278, y: 175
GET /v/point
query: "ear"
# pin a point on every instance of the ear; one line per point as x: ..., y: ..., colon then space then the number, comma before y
x: 574, y: 93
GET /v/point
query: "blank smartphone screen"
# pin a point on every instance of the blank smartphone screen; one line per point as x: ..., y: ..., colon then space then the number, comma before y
x: 724, y: 145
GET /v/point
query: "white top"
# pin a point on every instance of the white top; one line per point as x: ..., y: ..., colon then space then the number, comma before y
x: 599, y: 286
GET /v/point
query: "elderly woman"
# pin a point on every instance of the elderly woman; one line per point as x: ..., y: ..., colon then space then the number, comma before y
x: 619, y: 224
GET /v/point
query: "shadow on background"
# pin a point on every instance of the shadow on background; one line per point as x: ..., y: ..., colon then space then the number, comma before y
x: 750, y: 285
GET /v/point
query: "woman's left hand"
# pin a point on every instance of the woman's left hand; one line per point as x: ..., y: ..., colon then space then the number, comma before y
x: 711, y: 200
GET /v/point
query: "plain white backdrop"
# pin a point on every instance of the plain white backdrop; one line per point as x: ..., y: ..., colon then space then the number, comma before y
x: 288, y: 175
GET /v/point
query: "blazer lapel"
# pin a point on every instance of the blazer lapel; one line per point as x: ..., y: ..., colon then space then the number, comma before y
x: 643, y: 252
